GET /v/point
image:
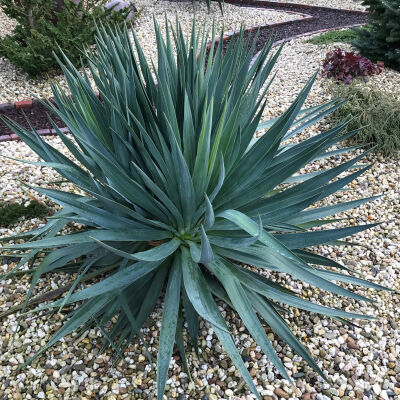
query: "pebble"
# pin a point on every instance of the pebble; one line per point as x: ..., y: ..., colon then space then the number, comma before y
x: 377, y: 389
x: 281, y: 393
x: 351, y: 343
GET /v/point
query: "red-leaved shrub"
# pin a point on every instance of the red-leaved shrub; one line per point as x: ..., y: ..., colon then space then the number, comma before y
x: 346, y: 65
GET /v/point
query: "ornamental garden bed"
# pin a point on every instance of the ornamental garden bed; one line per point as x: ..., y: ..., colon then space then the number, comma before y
x: 360, y: 360
x: 306, y: 20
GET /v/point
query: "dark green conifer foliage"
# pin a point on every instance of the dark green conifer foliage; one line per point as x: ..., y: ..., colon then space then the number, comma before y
x: 382, y: 41
x: 43, y: 25
x: 10, y: 213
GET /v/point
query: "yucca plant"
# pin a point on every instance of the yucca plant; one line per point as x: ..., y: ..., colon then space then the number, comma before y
x: 220, y: 3
x: 179, y: 199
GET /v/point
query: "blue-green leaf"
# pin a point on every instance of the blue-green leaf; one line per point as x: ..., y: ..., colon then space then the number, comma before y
x: 169, y: 322
x: 198, y: 291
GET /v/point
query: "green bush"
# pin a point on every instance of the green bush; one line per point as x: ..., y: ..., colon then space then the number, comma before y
x: 382, y: 41
x: 10, y: 213
x: 377, y: 113
x: 342, y: 36
x: 179, y: 197
x: 42, y: 26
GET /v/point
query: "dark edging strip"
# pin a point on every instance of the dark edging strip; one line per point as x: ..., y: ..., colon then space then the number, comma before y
x: 313, y: 33
x: 266, y: 3
x: 294, y: 37
x: 228, y: 35
x: 40, y: 132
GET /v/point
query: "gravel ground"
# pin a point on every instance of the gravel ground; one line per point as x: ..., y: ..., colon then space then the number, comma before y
x: 361, y: 362
x: 15, y: 85
x: 7, y: 24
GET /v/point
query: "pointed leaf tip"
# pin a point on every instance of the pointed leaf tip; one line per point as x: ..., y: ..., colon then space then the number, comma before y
x: 206, y: 255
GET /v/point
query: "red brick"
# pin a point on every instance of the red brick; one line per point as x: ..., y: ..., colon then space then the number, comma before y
x: 8, y: 138
x: 23, y: 104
